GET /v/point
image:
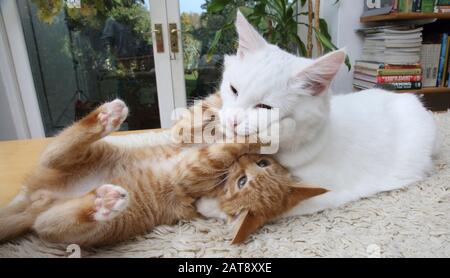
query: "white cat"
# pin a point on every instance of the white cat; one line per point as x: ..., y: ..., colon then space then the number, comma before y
x: 355, y: 145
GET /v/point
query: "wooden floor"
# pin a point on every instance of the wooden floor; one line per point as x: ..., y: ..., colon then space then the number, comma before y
x: 17, y: 159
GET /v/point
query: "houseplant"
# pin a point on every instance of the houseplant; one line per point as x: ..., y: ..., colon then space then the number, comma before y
x: 278, y: 22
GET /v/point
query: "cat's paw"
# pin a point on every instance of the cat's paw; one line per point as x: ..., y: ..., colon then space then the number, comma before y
x: 112, y: 115
x: 209, y: 207
x: 110, y: 201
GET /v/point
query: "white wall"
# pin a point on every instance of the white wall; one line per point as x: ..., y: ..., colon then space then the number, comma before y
x: 344, y: 21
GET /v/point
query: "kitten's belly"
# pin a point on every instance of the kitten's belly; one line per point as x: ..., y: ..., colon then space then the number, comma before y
x: 377, y: 141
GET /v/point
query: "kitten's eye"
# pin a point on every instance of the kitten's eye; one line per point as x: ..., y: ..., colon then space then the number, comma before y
x: 264, y: 106
x: 241, y: 181
x: 233, y: 89
x: 263, y: 163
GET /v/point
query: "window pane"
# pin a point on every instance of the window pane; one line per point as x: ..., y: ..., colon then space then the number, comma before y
x: 84, y: 55
x: 202, y: 71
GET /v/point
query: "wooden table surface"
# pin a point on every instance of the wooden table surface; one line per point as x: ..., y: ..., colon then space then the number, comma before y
x: 17, y: 159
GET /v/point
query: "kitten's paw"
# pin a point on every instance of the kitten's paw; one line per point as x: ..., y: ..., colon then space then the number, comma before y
x: 112, y: 115
x: 209, y: 207
x: 110, y: 201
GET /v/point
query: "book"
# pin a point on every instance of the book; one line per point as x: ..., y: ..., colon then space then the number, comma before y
x: 362, y: 84
x: 384, y: 72
x: 405, y: 6
x: 402, y: 86
x: 442, y: 2
x: 446, y: 62
x: 443, y: 55
x: 448, y: 76
x: 442, y: 9
x: 376, y: 65
x: 386, y: 79
x: 427, y: 6
x: 392, y: 45
x: 398, y: 78
x: 379, y: 7
x: 417, y: 6
x: 430, y: 62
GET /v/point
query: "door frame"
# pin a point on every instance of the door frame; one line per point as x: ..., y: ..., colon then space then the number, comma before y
x: 18, y: 77
x: 19, y: 84
x: 168, y: 65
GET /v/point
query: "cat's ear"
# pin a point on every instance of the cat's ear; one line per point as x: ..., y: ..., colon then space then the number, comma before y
x: 247, y: 223
x: 316, y: 78
x: 301, y: 191
x: 249, y: 39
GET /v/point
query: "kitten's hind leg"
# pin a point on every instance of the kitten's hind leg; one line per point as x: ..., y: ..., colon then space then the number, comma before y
x: 85, y: 220
x: 73, y: 144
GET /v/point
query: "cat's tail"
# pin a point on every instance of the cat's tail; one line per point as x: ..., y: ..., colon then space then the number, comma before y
x: 15, y: 219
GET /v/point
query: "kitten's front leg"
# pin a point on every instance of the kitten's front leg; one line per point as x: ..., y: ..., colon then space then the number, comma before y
x: 72, y: 144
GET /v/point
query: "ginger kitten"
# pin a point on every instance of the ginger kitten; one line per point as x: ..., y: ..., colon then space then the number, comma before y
x: 90, y: 192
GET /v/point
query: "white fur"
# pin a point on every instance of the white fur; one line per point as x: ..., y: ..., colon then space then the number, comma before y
x: 355, y: 145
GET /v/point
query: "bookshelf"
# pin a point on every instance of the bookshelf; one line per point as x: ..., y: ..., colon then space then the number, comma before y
x: 404, y: 16
x: 429, y: 90
x: 435, y: 98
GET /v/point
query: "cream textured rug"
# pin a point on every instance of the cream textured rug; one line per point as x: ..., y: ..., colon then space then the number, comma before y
x: 411, y: 222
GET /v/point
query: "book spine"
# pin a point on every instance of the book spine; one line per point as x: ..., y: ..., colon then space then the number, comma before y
x: 405, y: 85
x: 446, y: 62
x: 442, y: 2
x: 443, y: 9
x: 427, y: 6
x: 417, y: 6
x: 442, y: 59
x: 395, y: 6
x: 405, y: 6
x: 398, y: 78
x: 389, y: 66
x: 383, y: 72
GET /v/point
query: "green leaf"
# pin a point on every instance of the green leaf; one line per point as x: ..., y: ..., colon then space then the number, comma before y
x: 330, y: 46
x: 347, y: 62
x: 213, y: 46
x: 326, y: 42
x: 289, y: 12
x: 323, y: 27
x: 300, y: 44
x: 217, y: 5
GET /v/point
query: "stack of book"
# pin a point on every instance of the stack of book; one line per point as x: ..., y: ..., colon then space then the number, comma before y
x: 390, y: 58
x: 407, y: 6
x: 388, y: 76
x: 442, y: 6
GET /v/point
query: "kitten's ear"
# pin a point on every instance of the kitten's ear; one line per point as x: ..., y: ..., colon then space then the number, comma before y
x: 247, y: 223
x: 302, y: 191
x: 249, y: 39
x: 317, y: 77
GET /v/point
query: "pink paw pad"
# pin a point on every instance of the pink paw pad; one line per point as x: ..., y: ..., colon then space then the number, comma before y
x: 110, y: 201
x: 112, y: 115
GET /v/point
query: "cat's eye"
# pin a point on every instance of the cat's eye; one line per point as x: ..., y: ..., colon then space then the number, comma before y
x: 233, y: 89
x: 241, y: 181
x: 263, y: 106
x: 263, y: 163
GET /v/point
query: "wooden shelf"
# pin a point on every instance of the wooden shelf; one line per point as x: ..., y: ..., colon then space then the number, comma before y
x: 404, y: 16
x: 430, y: 90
